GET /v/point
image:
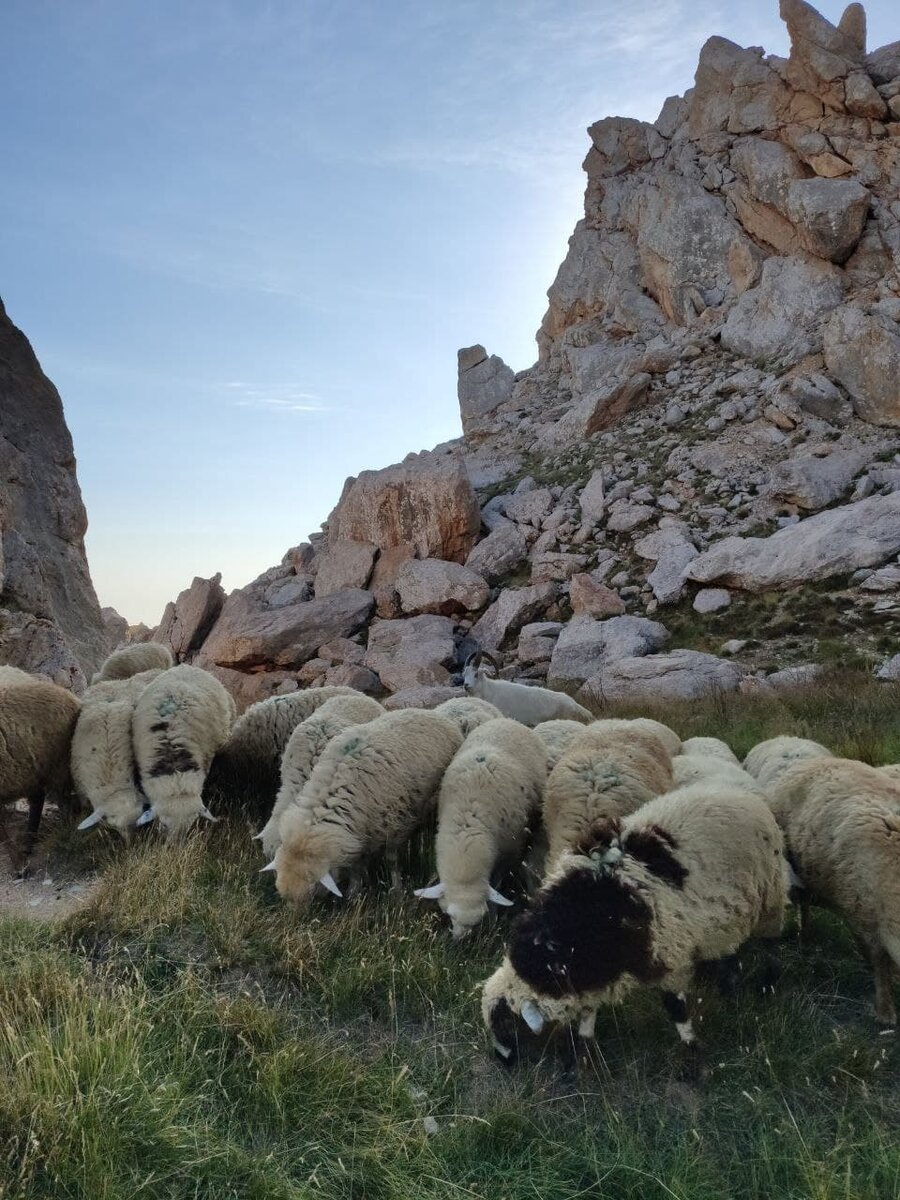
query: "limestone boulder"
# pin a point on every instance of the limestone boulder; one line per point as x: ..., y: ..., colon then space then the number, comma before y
x: 862, y: 352
x: 829, y: 215
x: 188, y: 619
x: 433, y: 586
x: 671, y: 549
x: 536, y: 642
x: 586, y: 644
x: 426, y: 501
x: 248, y: 634
x: 512, y: 609
x: 593, y: 499
x: 591, y: 597
x: 484, y: 383
x: 417, y: 650
x: 710, y: 600
x: 421, y: 695
x: 813, y: 483
x: 38, y: 646
x: 663, y: 678
x: 504, y: 550
x: 835, y: 542
x: 345, y: 564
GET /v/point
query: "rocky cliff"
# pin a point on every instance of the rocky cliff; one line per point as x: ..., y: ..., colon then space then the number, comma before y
x: 50, y: 621
x: 697, y: 485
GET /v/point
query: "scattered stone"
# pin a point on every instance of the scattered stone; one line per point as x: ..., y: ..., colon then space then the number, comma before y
x: 432, y: 586
x: 412, y: 651
x: 591, y: 596
x: 504, y: 550
x: 513, y: 608
x: 710, y: 600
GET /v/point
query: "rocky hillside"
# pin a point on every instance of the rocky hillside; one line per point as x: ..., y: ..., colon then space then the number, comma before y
x: 697, y: 485
x: 50, y: 621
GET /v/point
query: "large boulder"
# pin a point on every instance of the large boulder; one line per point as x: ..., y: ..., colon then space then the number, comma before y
x: 188, y: 619
x: 432, y: 586
x: 663, y: 678
x: 426, y: 501
x: 813, y: 483
x: 484, y: 384
x: 862, y: 352
x: 345, y: 564
x: 586, y: 644
x: 671, y: 549
x: 835, y: 542
x: 512, y: 609
x: 42, y: 517
x: 829, y: 215
x: 418, y: 650
x: 501, y: 552
x: 251, y: 635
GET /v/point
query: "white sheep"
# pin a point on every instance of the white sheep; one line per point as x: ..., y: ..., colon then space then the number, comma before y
x: 370, y: 790
x: 304, y: 749
x: 468, y: 712
x: 250, y: 760
x: 711, y: 746
x: 103, y: 765
x: 490, y: 793
x: 842, y: 828
x: 689, y: 877
x: 180, y: 720
x: 767, y: 760
x: 891, y: 771
x: 698, y: 768
x: 530, y: 705
x: 606, y: 772
x: 37, y: 720
x: 557, y: 737
x: 133, y: 660
x: 667, y: 736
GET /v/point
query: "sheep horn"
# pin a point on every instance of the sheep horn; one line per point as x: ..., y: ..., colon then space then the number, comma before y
x: 146, y: 817
x: 430, y: 893
x: 474, y: 655
x: 256, y: 837
x: 497, y: 898
x: 532, y: 1017
x: 206, y: 814
x: 327, y: 881
x: 94, y: 819
x: 268, y: 867
x: 490, y: 658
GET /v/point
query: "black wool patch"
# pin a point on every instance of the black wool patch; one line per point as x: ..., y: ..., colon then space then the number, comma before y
x: 654, y: 847
x: 172, y: 759
x: 583, y: 934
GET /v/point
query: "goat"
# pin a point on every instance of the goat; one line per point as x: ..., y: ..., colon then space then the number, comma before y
x: 530, y: 705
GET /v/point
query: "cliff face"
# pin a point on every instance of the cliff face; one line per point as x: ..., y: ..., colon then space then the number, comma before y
x: 50, y: 621
x: 710, y: 436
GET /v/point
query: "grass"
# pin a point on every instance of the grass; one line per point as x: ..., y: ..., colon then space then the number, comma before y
x: 185, y: 1034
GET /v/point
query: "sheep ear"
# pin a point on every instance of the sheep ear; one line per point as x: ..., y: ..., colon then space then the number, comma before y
x: 145, y: 818
x: 206, y: 814
x: 327, y: 881
x: 497, y: 898
x: 268, y: 867
x: 94, y: 819
x: 430, y: 893
x: 532, y: 1017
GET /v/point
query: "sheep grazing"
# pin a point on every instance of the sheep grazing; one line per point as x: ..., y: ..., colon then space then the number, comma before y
x: 468, y: 712
x: 891, y: 771
x: 700, y: 768
x: 249, y: 762
x: 37, y: 720
x: 768, y: 760
x: 491, y: 791
x: 180, y: 720
x: 667, y: 736
x: 557, y: 737
x: 103, y: 765
x: 530, y: 705
x: 842, y: 828
x: 712, y: 747
x: 133, y: 660
x: 368, y: 792
x: 688, y: 878
x: 304, y: 749
x: 606, y: 772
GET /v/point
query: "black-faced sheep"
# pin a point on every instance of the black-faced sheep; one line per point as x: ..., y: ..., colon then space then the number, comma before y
x: 133, y: 660
x: 37, y: 720
x: 688, y: 878
x: 180, y: 720
x: 304, y: 749
x: 842, y: 829
x: 490, y: 793
x: 370, y: 790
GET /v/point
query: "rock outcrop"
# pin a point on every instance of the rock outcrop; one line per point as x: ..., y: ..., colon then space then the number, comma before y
x: 50, y: 621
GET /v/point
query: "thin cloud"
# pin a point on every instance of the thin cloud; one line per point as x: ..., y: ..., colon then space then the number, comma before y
x: 279, y: 398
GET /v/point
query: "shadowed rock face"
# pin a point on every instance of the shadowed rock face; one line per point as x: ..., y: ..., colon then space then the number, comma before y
x: 50, y: 620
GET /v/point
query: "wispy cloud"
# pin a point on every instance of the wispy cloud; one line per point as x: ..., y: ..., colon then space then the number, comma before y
x: 278, y: 398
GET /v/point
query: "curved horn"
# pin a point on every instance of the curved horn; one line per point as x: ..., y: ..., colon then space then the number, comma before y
x: 146, y: 817
x: 206, y: 814
x: 268, y: 867
x: 483, y: 654
x: 497, y: 898
x: 532, y: 1017
x: 327, y: 881
x: 94, y: 819
x: 470, y: 657
x: 430, y: 893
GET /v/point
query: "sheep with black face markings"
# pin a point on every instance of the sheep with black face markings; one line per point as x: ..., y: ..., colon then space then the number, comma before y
x: 180, y: 720
x: 608, y: 771
x: 134, y: 660
x: 490, y: 793
x: 370, y: 790
x: 103, y: 764
x: 304, y: 749
x: 689, y: 877
x: 769, y: 759
x: 842, y: 828
x: 37, y: 720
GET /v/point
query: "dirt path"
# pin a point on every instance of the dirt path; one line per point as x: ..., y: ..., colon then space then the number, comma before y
x: 50, y: 891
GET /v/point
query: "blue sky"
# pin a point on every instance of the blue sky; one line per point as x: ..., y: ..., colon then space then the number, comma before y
x: 247, y: 238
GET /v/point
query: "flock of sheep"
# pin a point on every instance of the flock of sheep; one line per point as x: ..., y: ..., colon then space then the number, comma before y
x: 649, y: 855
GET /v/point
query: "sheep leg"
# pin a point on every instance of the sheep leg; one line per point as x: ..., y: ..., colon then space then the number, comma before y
x: 772, y: 966
x: 393, y: 860
x: 676, y: 1006
x: 804, y: 918
x: 11, y: 848
x: 33, y: 824
x: 885, y: 1009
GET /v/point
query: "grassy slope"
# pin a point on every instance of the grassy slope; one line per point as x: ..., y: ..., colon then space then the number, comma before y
x: 188, y: 1036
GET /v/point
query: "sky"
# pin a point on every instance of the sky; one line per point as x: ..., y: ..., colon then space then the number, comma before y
x: 247, y: 237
